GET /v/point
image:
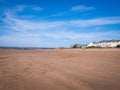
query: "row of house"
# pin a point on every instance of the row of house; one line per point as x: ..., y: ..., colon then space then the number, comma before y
x: 104, y: 43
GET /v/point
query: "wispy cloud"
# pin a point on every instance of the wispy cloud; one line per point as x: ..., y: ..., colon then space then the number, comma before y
x: 74, y: 8
x: 49, y: 28
x: 50, y: 39
x: 12, y: 11
x: 22, y: 24
x: 36, y: 8
x: 96, y: 21
x: 50, y: 32
x: 82, y: 8
x: 19, y: 8
x: 74, y: 35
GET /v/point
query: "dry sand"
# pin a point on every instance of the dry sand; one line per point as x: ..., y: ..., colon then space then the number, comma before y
x: 93, y: 69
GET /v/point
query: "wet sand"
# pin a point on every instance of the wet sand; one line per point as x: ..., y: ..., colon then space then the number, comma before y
x: 93, y: 69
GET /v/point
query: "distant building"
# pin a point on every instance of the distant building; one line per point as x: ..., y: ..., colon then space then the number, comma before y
x: 104, y: 43
x: 92, y: 44
x: 109, y: 43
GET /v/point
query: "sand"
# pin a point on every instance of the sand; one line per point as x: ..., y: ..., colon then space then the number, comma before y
x: 92, y: 69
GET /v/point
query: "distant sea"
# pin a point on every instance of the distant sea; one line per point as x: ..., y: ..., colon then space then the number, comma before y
x: 27, y: 48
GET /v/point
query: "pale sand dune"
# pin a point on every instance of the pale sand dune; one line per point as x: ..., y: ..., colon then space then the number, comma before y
x: 93, y: 69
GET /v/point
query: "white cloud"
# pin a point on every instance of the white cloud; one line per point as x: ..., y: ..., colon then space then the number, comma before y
x: 96, y: 21
x: 66, y: 34
x: 45, y: 32
x: 13, y: 10
x: 82, y: 8
x: 14, y: 22
x: 19, y: 8
x: 30, y: 39
x: 74, y: 35
x: 75, y: 8
x: 24, y: 25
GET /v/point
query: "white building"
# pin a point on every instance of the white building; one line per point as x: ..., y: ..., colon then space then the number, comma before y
x: 92, y: 44
x: 109, y: 43
x: 104, y: 43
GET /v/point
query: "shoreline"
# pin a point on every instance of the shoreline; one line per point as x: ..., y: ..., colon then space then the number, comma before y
x: 12, y: 48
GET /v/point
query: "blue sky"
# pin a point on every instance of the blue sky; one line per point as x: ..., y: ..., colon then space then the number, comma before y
x: 55, y: 23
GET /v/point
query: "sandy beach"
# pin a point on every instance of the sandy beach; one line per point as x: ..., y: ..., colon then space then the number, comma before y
x: 77, y: 69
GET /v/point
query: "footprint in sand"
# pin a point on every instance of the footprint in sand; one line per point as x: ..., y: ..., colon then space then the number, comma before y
x: 44, y: 71
x: 3, y: 58
x: 27, y: 70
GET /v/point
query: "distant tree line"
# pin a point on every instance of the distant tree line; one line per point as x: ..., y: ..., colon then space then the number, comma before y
x: 118, y: 46
x: 76, y: 46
